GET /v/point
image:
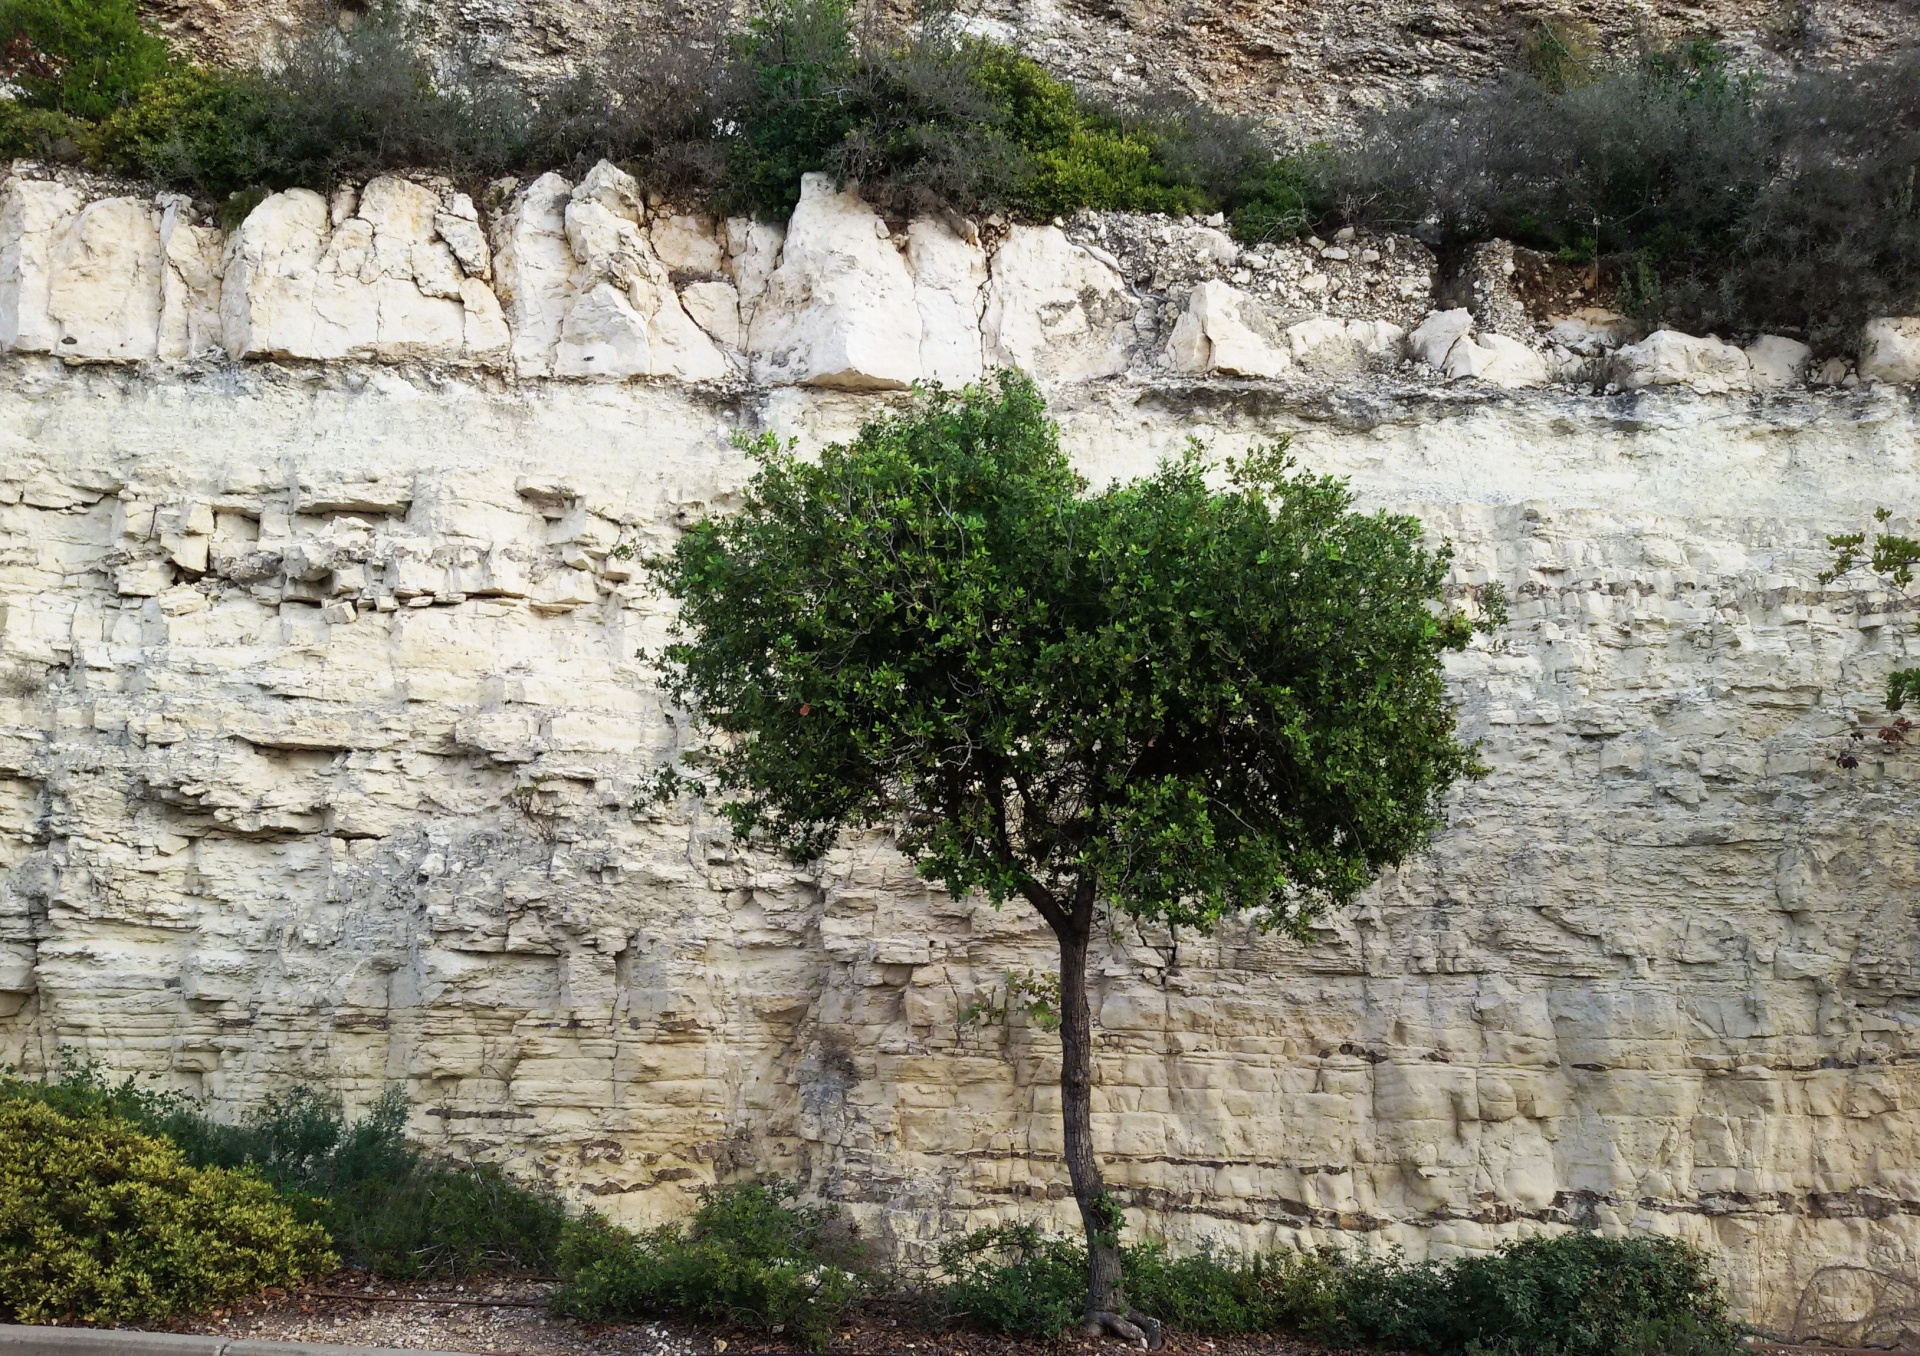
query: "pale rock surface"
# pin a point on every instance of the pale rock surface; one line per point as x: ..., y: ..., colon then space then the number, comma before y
x: 321, y: 724
x: 1221, y: 329
x: 1327, y: 345
x: 686, y: 243
x: 1669, y: 358
x: 34, y: 214
x: 1054, y: 311
x: 1447, y: 340
x: 1889, y: 349
x: 715, y: 308
x: 1496, y: 360
x: 103, y: 295
x: 189, y: 321
x: 364, y: 276
x: 533, y: 267
x: 949, y: 284
x: 840, y: 309
x: 1777, y: 362
x: 459, y: 225
x: 1591, y: 331
x: 753, y: 253
x: 626, y: 320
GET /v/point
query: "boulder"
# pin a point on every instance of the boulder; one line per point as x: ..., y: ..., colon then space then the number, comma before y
x: 1496, y: 360
x: 1330, y: 345
x: 1054, y: 311
x: 1591, y: 331
x: 1889, y: 349
x: 1669, y: 358
x: 626, y: 320
x: 364, y: 276
x: 1776, y: 362
x: 459, y: 225
x: 103, y: 292
x: 1435, y: 336
x: 1222, y: 329
x: 753, y: 253
x: 840, y: 310
x: 715, y: 308
x: 686, y: 244
x: 949, y: 280
x: 33, y: 213
x: 190, y: 284
x: 533, y: 271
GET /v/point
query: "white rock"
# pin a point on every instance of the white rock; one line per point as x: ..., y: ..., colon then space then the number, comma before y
x: 949, y: 283
x: 533, y: 271
x: 1331, y: 345
x: 190, y: 285
x: 1496, y: 360
x: 1778, y: 362
x: 840, y: 310
x: 1591, y: 330
x: 1222, y: 329
x: 753, y: 253
x: 627, y: 320
x: 268, y: 292
x: 33, y: 214
x: 686, y: 244
x: 1435, y: 336
x: 1669, y: 358
x: 484, y: 332
x: 459, y: 226
x: 1889, y: 349
x: 104, y: 293
x: 1054, y: 311
x: 715, y: 308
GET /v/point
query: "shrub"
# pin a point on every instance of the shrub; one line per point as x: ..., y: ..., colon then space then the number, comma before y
x: 83, y: 58
x: 751, y: 1255
x: 1574, y: 1295
x: 1731, y: 208
x: 388, y: 1207
x: 37, y: 133
x: 104, y: 1224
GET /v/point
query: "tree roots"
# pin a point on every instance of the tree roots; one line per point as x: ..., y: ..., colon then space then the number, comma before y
x: 1134, y: 1327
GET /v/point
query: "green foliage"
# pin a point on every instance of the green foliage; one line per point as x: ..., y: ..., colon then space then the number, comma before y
x: 1571, y: 1295
x: 1730, y: 208
x: 37, y: 133
x: 1892, y: 559
x: 751, y: 1255
x: 83, y: 58
x: 1209, y: 700
x: 388, y: 1207
x: 102, y: 1223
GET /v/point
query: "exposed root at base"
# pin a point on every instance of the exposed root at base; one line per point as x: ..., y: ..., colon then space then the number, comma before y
x: 1134, y: 1327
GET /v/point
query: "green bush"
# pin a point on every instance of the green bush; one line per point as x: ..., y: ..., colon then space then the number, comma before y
x: 388, y: 1207
x: 37, y: 133
x: 751, y: 1255
x: 83, y: 58
x: 1731, y: 208
x: 1572, y: 1295
x: 102, y: 1223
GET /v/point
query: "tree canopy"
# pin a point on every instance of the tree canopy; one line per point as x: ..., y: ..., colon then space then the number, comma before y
x: 1213, y: 699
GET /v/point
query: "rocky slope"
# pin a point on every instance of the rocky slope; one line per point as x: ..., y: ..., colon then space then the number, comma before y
x: 1308, y: 66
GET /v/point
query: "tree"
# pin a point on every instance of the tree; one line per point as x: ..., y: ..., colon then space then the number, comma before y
x: 1161, y: 699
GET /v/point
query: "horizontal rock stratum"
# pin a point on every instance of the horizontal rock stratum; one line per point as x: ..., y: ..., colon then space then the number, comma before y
x: 321, y: 725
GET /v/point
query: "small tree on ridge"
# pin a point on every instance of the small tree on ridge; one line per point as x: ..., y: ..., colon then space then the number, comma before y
x: 1160, y: 699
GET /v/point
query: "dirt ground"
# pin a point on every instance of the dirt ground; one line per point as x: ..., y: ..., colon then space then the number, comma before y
x: 509, y: 1316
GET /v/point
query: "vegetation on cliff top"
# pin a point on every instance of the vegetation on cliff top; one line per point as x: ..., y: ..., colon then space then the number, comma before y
x: 1725, y: 206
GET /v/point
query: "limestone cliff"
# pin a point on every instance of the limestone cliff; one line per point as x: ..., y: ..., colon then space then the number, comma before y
x: 321, y: 719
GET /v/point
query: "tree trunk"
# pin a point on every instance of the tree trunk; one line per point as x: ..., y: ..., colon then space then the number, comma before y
x: 1107, y: 1307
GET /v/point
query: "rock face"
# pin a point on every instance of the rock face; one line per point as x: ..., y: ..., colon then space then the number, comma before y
x: 321, y: 726
x: 321, y: 723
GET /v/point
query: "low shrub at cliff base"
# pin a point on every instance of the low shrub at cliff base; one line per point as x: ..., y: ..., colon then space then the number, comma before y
x: 102, y: 1223
x: 388, y: 1207
x: 751, y: 1255
x: 1572, y: 1295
